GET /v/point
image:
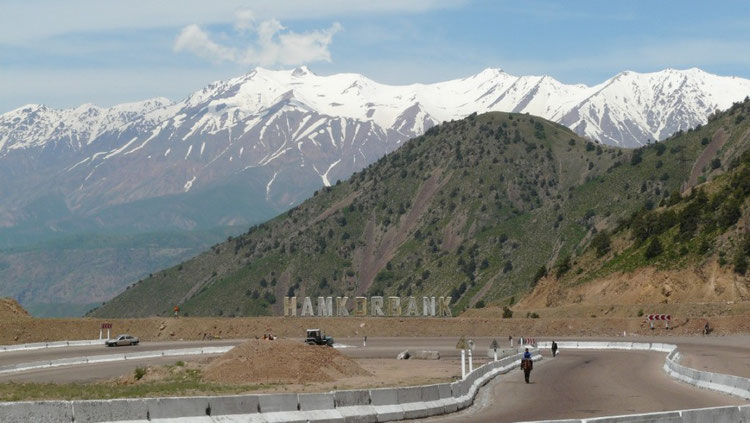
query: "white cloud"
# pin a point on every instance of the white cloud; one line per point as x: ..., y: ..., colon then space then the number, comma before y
x: 24, y: 20
x: 193, y: 39
x: 273, y: 44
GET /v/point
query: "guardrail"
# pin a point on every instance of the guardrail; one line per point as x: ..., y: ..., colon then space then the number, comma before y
x: 55, y: 344
x: 367, y: 405
x: 728, y: 384
x: 103, y: 358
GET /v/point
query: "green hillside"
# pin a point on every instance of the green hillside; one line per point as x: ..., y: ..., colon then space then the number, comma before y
x: 688, y: 227
x: 477, y: 209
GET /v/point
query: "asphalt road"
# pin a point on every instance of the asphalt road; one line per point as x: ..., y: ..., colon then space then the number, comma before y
x: 95, y: 371
x: 576, y: 384
x: 585, y: 384
x: 15, y: 357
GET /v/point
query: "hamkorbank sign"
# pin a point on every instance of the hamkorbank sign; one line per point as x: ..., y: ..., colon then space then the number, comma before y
x: 372, y: 306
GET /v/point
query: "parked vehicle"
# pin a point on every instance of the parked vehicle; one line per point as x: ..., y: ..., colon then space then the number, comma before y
x: 122, y: 340
x: 317, y: 337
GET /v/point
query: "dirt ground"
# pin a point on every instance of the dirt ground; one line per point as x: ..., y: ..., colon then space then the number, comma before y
x: 481, y: 323
x: 302, y: 368
x: 9, y: 308
x: 706, y: 284
x: 293, y: 362
x: 725, y: 318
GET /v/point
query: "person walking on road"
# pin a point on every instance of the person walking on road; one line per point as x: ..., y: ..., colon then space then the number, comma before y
x: 554, y: 348
x: 527, y: 365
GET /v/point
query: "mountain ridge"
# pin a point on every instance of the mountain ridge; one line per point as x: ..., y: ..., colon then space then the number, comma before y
x: 255, y: 145
x: 477, y: 209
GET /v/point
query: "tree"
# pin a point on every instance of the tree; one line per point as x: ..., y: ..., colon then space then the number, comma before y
x: 637, y: 157
x: 654, y: 249
x: 563, y: 266
x: 601, y: 243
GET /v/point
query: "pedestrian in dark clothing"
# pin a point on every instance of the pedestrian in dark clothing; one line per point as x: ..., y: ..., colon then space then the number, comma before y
x: 554, y: 348
x: 527, y: 365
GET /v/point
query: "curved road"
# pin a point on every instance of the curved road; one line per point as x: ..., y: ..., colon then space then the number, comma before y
x: 585, y: 384
x: 576, y: 384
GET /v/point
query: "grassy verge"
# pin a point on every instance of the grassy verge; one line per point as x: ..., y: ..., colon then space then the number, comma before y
x: 185, y: 382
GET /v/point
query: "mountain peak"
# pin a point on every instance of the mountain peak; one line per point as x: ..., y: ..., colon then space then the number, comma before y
x: 301, y: 71
x: 490, y: 73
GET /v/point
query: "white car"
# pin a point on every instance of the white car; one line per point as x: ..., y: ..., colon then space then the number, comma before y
x: 123, y: 340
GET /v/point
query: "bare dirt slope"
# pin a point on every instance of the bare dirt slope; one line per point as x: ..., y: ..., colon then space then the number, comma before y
x: 709, y: 283
x: 9, y: 308
x: 281, y: 361
x: 717, y: 141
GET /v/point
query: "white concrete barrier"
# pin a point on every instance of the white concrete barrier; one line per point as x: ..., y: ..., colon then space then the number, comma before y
x: 36, y: 411
x: 731, y: 414
x: 104, y: 358
x: 109, y: 410
x: 365, y: 406
x: 56, y: 344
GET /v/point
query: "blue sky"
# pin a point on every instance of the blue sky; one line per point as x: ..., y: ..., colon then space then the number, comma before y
x: 65, y: 53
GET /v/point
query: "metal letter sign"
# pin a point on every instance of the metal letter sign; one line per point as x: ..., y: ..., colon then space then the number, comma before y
x: 378, y: 306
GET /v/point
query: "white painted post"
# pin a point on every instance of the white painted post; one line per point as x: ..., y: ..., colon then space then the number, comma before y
x: 463, y: 364
x: 364, y: 343
x: 108, y: 337
x: 100, y: 334
x: 471, y: 363
x: 495, y: 354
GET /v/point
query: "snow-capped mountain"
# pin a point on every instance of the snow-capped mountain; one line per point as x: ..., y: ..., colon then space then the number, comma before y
x: 251, y: 146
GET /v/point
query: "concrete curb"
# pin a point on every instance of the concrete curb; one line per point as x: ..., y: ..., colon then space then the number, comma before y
x: 104, y: 358
x: 56, y: 344
x: 374, y: 405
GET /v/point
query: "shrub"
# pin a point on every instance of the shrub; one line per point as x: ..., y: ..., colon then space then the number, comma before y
x: 139, y: 373
x: 507, y: 313
x: 563, y: 267
x: 636, y: 158
x: 479, y: 304
x: 601, y: 243
x: 542, y: 272
x: 740, y: 263
x: 654, y: 249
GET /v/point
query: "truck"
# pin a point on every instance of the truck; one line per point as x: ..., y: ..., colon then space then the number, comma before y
x: 317, y: 337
